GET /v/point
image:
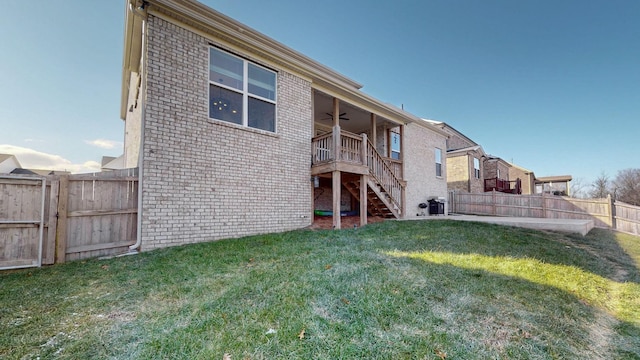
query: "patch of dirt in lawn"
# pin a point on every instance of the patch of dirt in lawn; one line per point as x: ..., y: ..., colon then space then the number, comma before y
x: 346, y: 222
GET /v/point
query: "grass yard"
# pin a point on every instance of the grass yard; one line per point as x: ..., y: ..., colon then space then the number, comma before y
x: 394, y: 290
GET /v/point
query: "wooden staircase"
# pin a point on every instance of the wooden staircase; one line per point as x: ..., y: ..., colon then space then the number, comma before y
x: 378, y: 200
x: 355, y: 155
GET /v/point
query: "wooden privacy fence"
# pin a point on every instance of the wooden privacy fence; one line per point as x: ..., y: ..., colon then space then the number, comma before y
x: 605, y: 213
x: 81, y: 216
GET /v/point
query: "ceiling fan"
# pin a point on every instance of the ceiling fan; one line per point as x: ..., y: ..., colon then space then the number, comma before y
x: 341, y: 116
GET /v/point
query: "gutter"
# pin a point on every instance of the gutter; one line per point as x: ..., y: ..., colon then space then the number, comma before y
x: 141, y: 14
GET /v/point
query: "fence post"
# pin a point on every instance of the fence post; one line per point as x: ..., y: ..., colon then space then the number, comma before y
x: 494, y: 200
x: 52, y: 222
x: 544, y: 206
x: 612, y: 211
x: 61, y: 236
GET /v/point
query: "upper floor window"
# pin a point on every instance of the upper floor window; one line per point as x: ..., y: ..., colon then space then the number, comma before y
x: 241, y: 92
x: 476, y: 168
x: 395, y: 145
x: 438, y: 162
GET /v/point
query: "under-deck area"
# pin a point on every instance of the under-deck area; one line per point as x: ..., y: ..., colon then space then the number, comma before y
x: 352, y: 159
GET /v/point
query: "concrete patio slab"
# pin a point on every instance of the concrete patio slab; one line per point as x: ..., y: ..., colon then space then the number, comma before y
x: 563, y: 225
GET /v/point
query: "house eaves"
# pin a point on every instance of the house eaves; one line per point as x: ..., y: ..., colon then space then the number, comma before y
x: 526, y: 171
x: 559, y: 178
x: 443, y: 125
x: 465, y: 151
x: 215, y: 25
x: 498, y: 159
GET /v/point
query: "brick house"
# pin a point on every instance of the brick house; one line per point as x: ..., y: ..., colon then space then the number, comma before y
x: 235, y: 134
x: 470, y: 169
x: 465, y: 160
x: 526, y: 176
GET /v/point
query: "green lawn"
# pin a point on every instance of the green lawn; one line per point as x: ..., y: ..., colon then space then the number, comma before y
x: 395, y: 290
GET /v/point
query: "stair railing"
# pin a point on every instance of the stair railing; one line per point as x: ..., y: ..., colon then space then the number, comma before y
x: 384, y: 176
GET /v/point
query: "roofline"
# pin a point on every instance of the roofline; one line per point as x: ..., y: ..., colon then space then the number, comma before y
x: 442, y: 125
x: 521, y: 168
x: 554, y: 178
x: 498, y: 159
x: 215, y: 25
x: 132, y: 51
x: 467, y: 149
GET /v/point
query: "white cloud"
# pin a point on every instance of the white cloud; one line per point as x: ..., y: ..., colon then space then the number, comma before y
x: 32, y: 159
x: 104, y: 144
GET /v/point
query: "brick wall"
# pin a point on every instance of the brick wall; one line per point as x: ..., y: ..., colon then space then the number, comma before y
x: 205, y: 179
x: 420, y: 167
x: 476, y: 185
x: 458, y: 172
x: 527, y: 179
x: 455, y: 141
x: 491, y: 167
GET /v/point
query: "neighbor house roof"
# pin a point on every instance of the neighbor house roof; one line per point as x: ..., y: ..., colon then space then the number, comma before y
x: 112, y: 163
x: 526, y: 171
x: 8, y: 162
x: 209, y: 23
x: 449, y: 129
x: 558, y: 178
x: 466, y: 150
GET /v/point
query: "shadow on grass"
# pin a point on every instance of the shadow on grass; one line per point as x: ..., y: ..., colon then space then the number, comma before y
x: 392, y: 290
x: 599, y: 252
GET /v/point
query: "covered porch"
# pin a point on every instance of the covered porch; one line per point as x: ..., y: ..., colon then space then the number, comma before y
x: 356, y: 161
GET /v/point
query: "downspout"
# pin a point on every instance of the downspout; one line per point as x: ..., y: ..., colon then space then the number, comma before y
x: 141, y: 13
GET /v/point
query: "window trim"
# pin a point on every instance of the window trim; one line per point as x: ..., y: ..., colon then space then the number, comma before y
x: 438, y: 151
x: 476, y: 171
x: 246, y: 94
x: 391, y: 151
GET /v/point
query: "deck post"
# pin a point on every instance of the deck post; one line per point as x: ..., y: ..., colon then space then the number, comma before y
x: 363, y: 199
x: 374, y: 132
x: 336, y: 111
x: 336, y: 184
x: 337, y: 143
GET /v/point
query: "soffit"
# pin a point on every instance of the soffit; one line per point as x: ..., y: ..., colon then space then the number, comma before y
x: 220, y: 27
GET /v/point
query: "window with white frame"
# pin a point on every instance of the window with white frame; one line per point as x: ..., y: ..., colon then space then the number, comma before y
x: 395, y: 145
x: 476, y: 168
x: 438, y: 162
x: 241, y: 92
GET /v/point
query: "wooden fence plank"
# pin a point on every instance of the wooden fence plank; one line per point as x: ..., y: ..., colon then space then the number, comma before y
x: 546, y: 206
x: 49, y: 245
x: 61, y: 235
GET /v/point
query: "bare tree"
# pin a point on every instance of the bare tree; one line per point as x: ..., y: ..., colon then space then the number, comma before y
x: 600, y: 187
x: 626, y: 186
x: 577, y: 189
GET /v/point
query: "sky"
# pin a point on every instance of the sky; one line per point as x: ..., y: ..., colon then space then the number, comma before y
x: 553, y: 86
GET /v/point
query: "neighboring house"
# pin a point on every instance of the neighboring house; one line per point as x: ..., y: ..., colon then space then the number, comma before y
x: 496, y: 176
x: 39, y: 172
x: 465, y: 169
x: 527, y: 177
x: 470, y: 169
x: 8, y: 163
x: 110, y: 163
x: 235, y: 134
x: 465, y: 159
x: 556, y: 185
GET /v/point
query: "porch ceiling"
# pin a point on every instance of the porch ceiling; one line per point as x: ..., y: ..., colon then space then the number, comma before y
x: 358, y: 121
